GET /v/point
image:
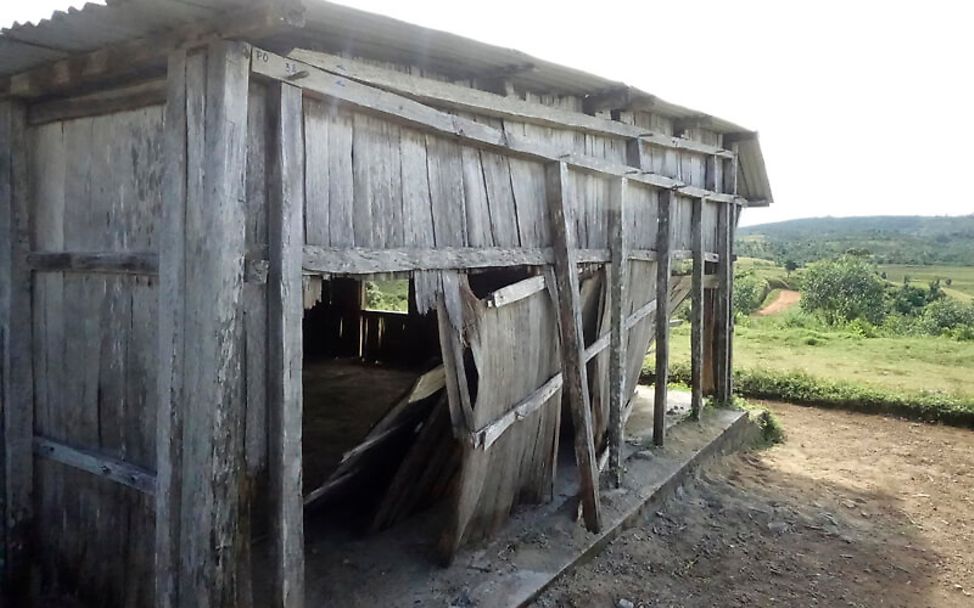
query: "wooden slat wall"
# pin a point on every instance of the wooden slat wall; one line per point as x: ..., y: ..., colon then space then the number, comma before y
x: 96, y: 187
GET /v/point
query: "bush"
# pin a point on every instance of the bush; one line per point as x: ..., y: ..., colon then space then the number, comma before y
x: 945, y: 316
x: 845, y: 289
x: 749, y: 292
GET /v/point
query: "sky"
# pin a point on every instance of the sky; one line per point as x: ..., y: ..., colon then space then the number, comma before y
x: 863, y: 107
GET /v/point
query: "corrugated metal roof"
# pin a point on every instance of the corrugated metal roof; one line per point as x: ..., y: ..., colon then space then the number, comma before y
x: 339, y: 29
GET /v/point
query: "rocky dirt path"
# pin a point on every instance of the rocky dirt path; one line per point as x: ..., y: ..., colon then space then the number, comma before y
x: 852, y: 510
x: 785, y: 300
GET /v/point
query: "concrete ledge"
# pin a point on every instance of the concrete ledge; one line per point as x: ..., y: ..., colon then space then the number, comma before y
x: 651, y: 477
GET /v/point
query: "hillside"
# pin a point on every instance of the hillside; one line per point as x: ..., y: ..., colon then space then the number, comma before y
x: 889, y: 239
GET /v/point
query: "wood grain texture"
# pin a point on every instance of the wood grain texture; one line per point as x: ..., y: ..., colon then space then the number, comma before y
x: 202, y: 281
x: 662, y: 318
x: 284, y: 353
x: 696, y: 312
x: 617, y: 296
x: 572, y: 344
x: 15, y: 332
x: 98, y: 464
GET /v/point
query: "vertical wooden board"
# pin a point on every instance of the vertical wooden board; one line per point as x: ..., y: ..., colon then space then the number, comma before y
x: 479, y: 233
x: 341, y: 195
x: 377, y: 203
x: 680, y: 236
x: 256, y: 185
x: 417, y: 209
x: 500, y: 194
x: 284, y: 352
x: 528, y: 183
x: 446, y: 192
x: 316, y: 178
x: 696, y: 311
x: 644, y: 213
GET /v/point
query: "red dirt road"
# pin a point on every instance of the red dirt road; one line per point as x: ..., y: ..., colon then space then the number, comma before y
x: 785, y: 300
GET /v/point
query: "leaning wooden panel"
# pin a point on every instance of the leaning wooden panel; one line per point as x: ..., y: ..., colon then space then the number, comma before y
x: 513, y: 354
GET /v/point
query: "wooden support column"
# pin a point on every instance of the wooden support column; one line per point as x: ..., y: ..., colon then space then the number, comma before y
x: 662, y: 315
x: 16, y: 376
x: 618, y: 336
x: 285, y: 313
x: 723, y: 305
x: 572, y: 345
x: 696, y: 310
x: 732, y: 211
x: 202, y: 542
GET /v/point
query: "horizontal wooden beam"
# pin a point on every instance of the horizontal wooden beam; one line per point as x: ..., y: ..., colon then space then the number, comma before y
x: 466, y: 99
x: 97, y: 464
x: 120, y: 262
x: 518, y: 291
x: 133, y: 57
x: 132, y: 97
x: 317, y: 82
x: 124, y: 262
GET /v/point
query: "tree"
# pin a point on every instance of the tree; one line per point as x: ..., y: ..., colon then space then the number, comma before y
x: 791, y: 266
x: 844, y: 290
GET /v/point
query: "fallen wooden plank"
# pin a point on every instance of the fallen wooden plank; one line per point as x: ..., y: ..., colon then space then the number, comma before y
x: 485, y: 437
x: 97, y: 464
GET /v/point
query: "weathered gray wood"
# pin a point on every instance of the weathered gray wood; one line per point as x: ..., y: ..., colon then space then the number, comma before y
x: 16, y: 391
x: 696, y: 312
x: 723, y: 306
x: 285, y: 314
x: 618, y: 273
x: 572, y: 341
x: 733, y: 212
x: 413, y: 114
x: 98, y: 464
x: 458, y: 97
x: 201, y: 543
x: 515, y: 292
x: 83, y: 69
x: 130, y: 97
x: 662, y: 317
x: 486, y: 436
x: 113, y: 262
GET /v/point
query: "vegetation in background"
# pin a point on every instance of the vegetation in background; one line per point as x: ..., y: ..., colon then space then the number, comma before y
x: 956, y: 281
x: 887, y: 239
x: 390, y: 296
x: 844, y: 290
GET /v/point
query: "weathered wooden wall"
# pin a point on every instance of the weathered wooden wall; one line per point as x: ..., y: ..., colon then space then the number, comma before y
x: 96, y: 187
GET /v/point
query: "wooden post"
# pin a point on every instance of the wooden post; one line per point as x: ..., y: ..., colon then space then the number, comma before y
x: 732, y: 212
x: 201, y: 541
x: 16, y: 376
x: 723, y: 306
x: 618, y: 338
x: 662, y: 315
x: 696, y: 310
x: 286, y: 241
x: 572, y: 345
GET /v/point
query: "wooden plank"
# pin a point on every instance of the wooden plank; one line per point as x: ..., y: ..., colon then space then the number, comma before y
x: 515, y: 292
x: 113, y: 262
x: 662, y: 317
x: 370, y: 261
x: 572, y: 344
x: 461, y: 98
x: 97, y: 464
x: 285, y: 315
x: 723, y: 306
x: 413, y: 114
x: 122, y: 99
x: 183, y: 74
x: 16, y: 392
x: 487, y: 435
x: 733, y: 212
x: 202, y: 547
x: 618, y: 279
x: 696, y: 311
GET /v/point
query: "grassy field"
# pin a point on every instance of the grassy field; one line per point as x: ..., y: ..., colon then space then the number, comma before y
x: 962, y: 277
x: 775, y: 275
x: 901, y: 364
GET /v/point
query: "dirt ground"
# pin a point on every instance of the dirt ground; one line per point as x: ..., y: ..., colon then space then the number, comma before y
x: 852, y: 510
x: 785, y: 300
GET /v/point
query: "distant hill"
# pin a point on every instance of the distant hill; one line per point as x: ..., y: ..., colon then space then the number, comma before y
x: 888, y: 239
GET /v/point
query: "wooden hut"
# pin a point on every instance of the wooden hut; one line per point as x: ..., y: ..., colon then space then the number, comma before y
x: 193, y: 197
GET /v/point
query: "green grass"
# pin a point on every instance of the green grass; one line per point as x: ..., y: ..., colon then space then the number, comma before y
x: 962, y: 277
x: 775, y: 275
x: 793, y: 342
